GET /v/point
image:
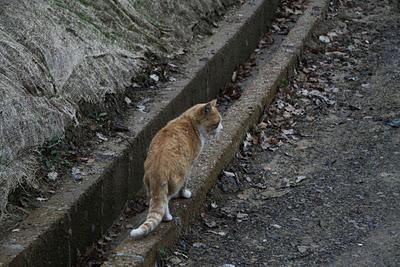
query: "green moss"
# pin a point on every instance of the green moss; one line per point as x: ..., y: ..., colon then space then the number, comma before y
x: 284, y: 83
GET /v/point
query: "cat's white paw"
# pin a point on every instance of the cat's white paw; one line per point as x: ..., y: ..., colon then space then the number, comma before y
x: 167, y: 217
x: 186, y: 193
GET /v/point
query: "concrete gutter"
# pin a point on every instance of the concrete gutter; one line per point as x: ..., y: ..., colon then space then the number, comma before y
x: 240, y: 117
x: 54, y: 234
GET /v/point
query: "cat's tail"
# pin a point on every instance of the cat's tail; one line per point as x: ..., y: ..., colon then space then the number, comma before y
x: 154, y: 217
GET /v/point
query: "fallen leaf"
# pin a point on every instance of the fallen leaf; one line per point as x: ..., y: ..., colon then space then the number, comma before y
x: 242, y: 216
x: 300, y: 178
x: 210, y: 224
x: 221, y: 233
x: 393, y: 123
x: 101, y: 137
x: 288, y: 132
x: 290, y: 108
x: 262, y: 125
x: 266, y: 167
x: 273, y: 193
x: 199, y: 245
x: 243, y: 196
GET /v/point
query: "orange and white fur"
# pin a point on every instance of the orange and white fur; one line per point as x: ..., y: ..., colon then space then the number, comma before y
x: 171, y: 155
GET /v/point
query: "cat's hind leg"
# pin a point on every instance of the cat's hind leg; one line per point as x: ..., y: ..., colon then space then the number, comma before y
x: 184, y: 192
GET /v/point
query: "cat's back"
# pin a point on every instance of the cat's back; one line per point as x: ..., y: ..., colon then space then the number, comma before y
x: 177, y: 141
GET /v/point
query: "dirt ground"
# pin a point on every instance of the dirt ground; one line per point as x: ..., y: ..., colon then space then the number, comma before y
x: 317, y: 182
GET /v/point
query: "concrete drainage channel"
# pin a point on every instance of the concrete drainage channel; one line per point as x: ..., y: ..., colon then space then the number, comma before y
x: 53, y: 235
x: 238, y: 119
x: 70, y: 222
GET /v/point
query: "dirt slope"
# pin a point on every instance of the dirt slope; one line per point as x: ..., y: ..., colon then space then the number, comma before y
x: 57, y: 56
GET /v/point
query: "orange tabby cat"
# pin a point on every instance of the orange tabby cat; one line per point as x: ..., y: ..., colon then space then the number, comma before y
x: 169, y: 160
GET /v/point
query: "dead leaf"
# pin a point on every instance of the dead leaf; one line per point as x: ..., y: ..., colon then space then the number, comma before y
x: 199, y: 245
x: 242, y: 216
x: 243, y: 196
x: 273, y: 193
x: 221, y: 233
x: 262, y: 125
x: 300, y: 178
x: 210, y: 224
x: 290, y: 108
x: 288, y: 132
x: 266, y: 167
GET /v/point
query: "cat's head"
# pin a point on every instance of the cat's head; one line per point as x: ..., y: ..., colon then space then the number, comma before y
x: 209, y: 118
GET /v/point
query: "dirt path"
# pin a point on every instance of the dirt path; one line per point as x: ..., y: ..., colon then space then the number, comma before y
x: 318, y: 181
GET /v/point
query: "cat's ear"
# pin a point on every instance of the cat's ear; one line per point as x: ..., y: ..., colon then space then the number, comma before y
x: 213, y: 102
x: 207, y: 109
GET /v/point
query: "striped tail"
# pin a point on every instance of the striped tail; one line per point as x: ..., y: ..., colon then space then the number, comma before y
x: 154, y: 217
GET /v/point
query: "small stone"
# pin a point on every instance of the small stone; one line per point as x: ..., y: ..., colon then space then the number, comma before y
x: 128, y: 101
x: 229, y: 174
x: 234, y: 76
x: 214, y: 205
x: 288, y: 132
x: 324, y: 39
x: 277, y: 226
x: 52, y: 176
x: 76, y: 174
x: 199, y: 245
x: 242, y: 216
x: 332, y: 35
x: 302, y: 249
x: 154, y: 77
x: 175, y: 261
x: 211, y: 224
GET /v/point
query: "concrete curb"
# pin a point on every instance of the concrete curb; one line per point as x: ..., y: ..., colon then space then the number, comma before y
x: 56, y: 233
x: 240, y: 117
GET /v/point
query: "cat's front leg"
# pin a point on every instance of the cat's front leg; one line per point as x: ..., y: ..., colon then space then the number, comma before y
x: 167, y: 215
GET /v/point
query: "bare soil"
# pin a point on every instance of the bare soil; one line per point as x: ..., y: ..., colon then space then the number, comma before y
x: 317, y: 181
